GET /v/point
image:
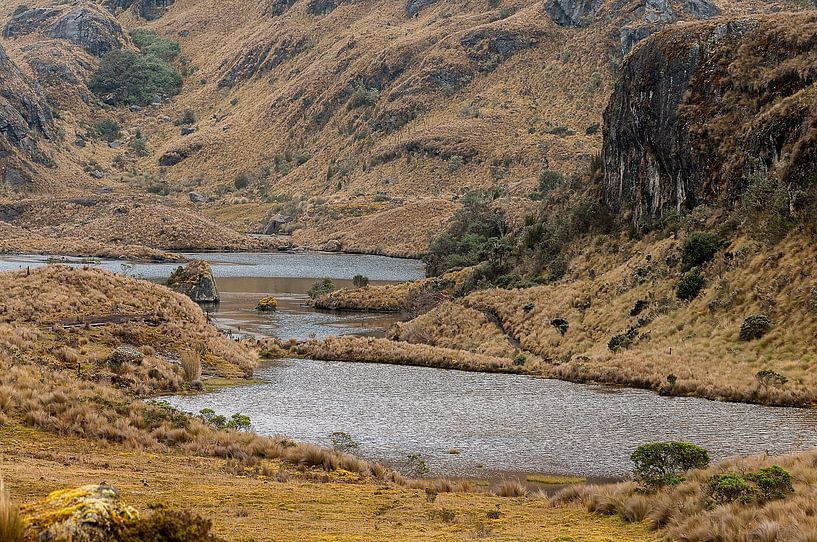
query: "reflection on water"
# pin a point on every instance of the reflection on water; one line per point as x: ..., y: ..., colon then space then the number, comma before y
x: 503, y: 422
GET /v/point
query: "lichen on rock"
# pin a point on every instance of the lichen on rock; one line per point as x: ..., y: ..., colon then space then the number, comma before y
x: 92, y: 513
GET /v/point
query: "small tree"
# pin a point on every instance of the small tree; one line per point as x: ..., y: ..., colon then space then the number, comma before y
x: 699, y: 248
x: 360, y: 281
x: 239, y: 422
x: 108, y: 130
x: 343, y: 442
x: 321, y: 288
x: 690, y: 284
x: 658, y: 464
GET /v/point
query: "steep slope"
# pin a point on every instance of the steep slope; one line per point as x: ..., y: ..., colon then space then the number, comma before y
x: 327, y: 111
x: 700, y: 108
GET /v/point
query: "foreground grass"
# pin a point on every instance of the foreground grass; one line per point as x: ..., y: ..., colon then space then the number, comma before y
x: 260, y: 508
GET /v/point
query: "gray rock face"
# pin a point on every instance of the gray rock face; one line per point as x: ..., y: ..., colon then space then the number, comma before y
x: 413, y: 7
x: 86, y: 26
x: 93, y: 30
x: 322, y: 7
x: 262, y: 58
x: 196, y: 281
x: 682, y: 128
x: 24, y: 112
x: 147, y: 9
x: 572, y: 13
x: 195, y: 197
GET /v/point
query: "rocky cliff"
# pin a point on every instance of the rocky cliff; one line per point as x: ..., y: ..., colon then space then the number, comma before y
x: 699, y: 107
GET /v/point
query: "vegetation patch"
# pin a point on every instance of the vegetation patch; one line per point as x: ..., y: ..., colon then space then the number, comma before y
x: 754, y: 327
x: 659, y: 464
x: 137, y: 78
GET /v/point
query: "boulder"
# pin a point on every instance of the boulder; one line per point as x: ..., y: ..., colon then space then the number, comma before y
x: 333, y: 245
x: 573, y: 13
x: 196, y: 281
x: 92, y: 29
x: 92, y: 513
x: 85, y: 25
x: 413, y: 7
x: 125, y: 353
x: 195, y: 197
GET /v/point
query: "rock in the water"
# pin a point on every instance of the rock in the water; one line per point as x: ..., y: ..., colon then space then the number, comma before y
x: 196, y: 281
x: 572, y: 13
x: 93, y: 513
x: 275, y: 224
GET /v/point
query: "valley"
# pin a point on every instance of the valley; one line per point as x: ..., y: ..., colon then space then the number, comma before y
x: 427, y: 270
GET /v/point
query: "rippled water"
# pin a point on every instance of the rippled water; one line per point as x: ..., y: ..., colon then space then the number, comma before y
x: 502, y: 422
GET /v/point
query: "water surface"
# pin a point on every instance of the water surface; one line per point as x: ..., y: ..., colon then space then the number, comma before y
x: 503, y: 423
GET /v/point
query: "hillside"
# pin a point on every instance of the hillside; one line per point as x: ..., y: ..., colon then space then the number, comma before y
x: 343, y: 119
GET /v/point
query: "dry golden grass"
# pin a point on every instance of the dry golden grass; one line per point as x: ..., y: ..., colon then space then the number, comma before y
x: 12, y: 528
x: 389, y: 297
x: 48, y: 300
x: 685, y: 512
x: 371, y: 350
x: 696, y: 341
x: 296, y: 506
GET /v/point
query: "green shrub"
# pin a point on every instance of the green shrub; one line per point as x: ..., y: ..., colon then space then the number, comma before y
x: 560, y: 324
x: 520, y: 360
x: 772, y: 483
x: 126, y: 77
x: 690, y: 284
x: 321, y: 287
x: 699, y: 248
x: 473, y: 236
x: 140, y: 146
x: 729, y: 487
x: 768, y: 377
x: 360, y: 281
x: 239, y: 422
x: 622, y: 341
x: 362, y: 96
x: 242, y: 181
x: 169, y: 526
x: 455, y: 163
x: 150, y: 43
x: 343, y: 442
x: 108, y: 130
x: 549, y: 180
x: 755, y: 327
x: 187, y: 118
x: 659, y: 464
x: 767, y: 484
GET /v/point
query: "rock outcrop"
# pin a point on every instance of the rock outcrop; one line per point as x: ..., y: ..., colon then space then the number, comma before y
x: 84, y: 25
x: 572, y: 13
x: 698, y: 107
x: 196, y: 281
x: 147, y: 9
x: 93, y: 513
x: 25, y: 119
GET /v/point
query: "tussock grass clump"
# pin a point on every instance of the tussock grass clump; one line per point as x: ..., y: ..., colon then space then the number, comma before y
x: 12, y: 528
x: 510, y: 488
